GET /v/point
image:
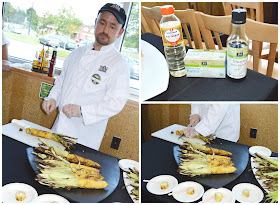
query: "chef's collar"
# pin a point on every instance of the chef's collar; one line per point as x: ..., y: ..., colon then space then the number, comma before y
x: 90, y: 48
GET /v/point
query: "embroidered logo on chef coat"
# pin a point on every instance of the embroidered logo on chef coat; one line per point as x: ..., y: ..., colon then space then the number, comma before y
x: 103, y: 68
x: 96, y: 79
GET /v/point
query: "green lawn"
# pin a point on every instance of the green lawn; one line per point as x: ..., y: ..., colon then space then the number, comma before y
x: 34, y: 40
x: 131, y: 54
x: 23, y: 38
x: 60, y: 53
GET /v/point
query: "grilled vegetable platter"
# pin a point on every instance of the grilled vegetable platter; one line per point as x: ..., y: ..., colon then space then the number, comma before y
x: 85, y: 177
x: 213, y: 165
x: 265, y: 170
x: 130, y: 170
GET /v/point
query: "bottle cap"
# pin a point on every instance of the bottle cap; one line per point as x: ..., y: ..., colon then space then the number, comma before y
x: 167, y: 10
x: 238, y: 16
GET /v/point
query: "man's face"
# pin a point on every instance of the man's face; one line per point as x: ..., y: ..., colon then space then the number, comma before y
x: 107, y: 28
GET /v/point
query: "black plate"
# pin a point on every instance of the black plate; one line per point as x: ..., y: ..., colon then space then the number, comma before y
x: 240, y: 157
x: 109, y: 169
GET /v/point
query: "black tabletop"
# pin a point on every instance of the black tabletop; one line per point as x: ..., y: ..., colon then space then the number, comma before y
x: 254, y: 87
x: 158, y: 159
x: 16, y: 168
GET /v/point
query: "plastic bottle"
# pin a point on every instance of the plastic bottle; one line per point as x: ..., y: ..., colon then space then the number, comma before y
x: 237, y: 46
x: 173, y: 41
x: 52, y: 63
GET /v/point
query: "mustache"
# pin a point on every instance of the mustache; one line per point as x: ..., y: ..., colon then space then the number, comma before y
x: 104, y: 34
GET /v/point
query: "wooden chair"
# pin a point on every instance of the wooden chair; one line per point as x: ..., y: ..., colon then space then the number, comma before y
x: 256, y: 31
x: 254, y: 9
x: 150, y: 19
x: 254, y: 12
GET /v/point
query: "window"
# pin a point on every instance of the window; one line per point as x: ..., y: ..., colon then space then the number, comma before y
x: 67, y: 25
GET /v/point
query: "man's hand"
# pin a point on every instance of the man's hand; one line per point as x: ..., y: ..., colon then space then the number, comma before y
x: 49, y: 106
x: 71, y: 110
x: 6, y: 65
x: 190, y: 132
x: 194, y: 119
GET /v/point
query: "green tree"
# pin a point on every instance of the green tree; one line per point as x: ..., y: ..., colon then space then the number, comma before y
x: 132, y: 31
x: 32, y: 19
x: 9, y: 11
x: 18, y: 17
x: 66, y: 22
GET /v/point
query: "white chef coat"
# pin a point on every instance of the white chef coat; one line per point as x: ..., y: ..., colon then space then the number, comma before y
x: 4, y: 39
x: 223, y: 120
x: 99, y: 99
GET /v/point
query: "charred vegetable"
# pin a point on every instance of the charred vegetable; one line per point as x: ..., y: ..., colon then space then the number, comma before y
x: 62, y: 139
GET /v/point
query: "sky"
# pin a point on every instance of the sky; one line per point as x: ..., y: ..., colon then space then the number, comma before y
x: 86, y: 10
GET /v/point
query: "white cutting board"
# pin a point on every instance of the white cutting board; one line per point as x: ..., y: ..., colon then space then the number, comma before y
x: 12, y: 130
x: 165, y: 134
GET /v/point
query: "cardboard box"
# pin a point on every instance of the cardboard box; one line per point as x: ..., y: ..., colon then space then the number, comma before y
x: 205, y: 63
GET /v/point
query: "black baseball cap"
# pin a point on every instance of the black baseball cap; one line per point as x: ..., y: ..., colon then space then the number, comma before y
x: 115, y: 9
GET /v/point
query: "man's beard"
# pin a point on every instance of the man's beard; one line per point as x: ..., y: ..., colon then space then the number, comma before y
x: 101, y: 41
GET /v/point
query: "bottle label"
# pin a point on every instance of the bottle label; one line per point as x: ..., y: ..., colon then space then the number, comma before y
x: 172, y: 36
x: 237, y: 62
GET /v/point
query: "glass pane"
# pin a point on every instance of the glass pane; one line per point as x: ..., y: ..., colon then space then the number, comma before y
x: 130, y: 47
x: 67, y: 25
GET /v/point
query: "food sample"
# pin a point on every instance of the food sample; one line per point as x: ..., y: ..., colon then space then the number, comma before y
x: 164, y: 185
x: 190, y: 191
x: 179, y: 132
x: 218, y: 196
x: 59, y: 170
x: 20, y: 196
x: 64, y: 140
x: 246, y: 193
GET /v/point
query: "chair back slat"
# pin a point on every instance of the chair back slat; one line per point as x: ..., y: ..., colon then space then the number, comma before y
x: 254, y: 9
x: 256, y: 31
x: 188, y: 21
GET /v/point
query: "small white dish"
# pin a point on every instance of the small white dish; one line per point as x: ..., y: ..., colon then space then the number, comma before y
x: 180, y: 191
x: 154, y: 185
x: 209, y: 196
x: 255, y: 193
x: 125, y: 164
x: 264, y: 151
x: 50, y: 198
x: 9, y: 192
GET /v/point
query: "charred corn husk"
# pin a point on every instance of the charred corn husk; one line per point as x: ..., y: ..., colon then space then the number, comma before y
x: 196, y: 167
x: 133, y: 174
x: 60, y: 153
x: 62, y: 139
x: 60, y: 164
x: 205, y: 149
x: 268, y: 171
x: 73, y: 183
x: 195, y: 161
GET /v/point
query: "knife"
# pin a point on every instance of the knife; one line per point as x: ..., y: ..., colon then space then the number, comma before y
x: 182, y: 135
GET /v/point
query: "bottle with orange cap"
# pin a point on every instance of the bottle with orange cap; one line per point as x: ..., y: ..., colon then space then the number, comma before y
x: 172, y: 37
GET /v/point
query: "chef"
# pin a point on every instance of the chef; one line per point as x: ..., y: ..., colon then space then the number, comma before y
x: 223, y: 120
x: 94, y: 83
x: 5, y: 56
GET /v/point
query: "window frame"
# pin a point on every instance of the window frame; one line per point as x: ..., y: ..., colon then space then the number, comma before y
x: 134, y: 92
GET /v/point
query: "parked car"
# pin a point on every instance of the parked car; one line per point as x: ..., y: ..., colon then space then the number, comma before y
x: 134, y: 67
x: 68, y: 44
x: 49, y: 40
